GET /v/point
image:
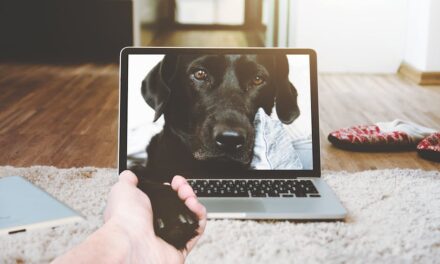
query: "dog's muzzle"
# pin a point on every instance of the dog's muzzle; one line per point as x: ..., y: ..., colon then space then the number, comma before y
x: 229, y: 139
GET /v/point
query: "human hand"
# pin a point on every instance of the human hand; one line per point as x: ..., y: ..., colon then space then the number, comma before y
x: 129, y: 210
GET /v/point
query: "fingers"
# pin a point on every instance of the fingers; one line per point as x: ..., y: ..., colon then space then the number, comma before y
x: 128, y: 177
x: 181, y: 186
x: 186, y: 193
x: 200, y: 211
x: 177, y: 182
x: 196, y: 207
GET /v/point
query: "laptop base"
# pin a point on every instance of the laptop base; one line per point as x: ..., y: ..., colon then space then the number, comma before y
x: 326, y: 207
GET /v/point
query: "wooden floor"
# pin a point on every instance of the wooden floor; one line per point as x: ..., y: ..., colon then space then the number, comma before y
x: 348, y: 99
x: 191, y: 38
x: 67, y: 115
x: 200, y: 38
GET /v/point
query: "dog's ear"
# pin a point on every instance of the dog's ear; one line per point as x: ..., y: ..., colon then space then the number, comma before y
x: 285, y: 93
x: 156, y: 87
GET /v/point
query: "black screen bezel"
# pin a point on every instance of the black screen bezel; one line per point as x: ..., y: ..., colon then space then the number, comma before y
x: 257, y: 174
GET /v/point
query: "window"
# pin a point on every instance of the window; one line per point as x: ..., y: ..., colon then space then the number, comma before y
x: 210, y: 12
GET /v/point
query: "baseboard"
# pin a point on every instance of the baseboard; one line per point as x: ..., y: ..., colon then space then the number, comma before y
x: 419, y: 77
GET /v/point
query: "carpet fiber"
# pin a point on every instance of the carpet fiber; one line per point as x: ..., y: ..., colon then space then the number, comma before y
x: 394, y: 217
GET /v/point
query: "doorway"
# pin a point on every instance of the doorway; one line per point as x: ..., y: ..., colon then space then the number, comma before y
x: 203, y: 23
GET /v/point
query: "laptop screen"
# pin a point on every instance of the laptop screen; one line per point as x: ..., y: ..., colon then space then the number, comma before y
x: 196, y: 113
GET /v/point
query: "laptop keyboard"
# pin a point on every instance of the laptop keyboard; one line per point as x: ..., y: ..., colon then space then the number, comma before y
x: 254, y: 188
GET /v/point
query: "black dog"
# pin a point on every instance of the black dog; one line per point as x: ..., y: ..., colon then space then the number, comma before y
x: 209, y: 103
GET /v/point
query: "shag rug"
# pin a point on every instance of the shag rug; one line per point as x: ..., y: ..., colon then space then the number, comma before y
x: 394, y: 217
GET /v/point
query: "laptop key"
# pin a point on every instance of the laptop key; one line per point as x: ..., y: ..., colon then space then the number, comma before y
x: 238, y: 193
x: 215, y: 182
x: 254, y: 188
x: 311, y: 190
x: 258, y: 195
x: 274, y: 193
x: 300, y: 194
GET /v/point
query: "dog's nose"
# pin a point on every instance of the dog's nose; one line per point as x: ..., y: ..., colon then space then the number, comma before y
x: 229, y: 139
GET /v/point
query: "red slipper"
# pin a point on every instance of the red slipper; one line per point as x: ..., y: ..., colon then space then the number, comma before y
x: 370, y: 138
x: 429, y: 148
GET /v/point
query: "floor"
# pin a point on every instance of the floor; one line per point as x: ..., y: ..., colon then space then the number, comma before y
x: 67, y: 115
x: 347, y: 99
x: 191, y: 38
x: 63, y: 115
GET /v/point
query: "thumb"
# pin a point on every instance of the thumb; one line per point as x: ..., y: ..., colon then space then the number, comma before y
x: 128, y: 177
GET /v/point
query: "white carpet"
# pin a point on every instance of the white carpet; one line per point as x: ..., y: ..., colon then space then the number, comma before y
x: 394, y: 217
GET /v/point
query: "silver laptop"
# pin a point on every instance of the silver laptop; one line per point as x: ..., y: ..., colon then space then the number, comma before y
x: 240, y: 124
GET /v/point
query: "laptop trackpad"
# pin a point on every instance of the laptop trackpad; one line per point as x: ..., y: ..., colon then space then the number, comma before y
x: 225, y: 205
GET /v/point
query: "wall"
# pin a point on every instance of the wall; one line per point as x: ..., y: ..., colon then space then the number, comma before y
x: 79, y: 30
x: 351, y: 35
x: 423, y: 36
x: 433, y: 62
x: 417, y: 33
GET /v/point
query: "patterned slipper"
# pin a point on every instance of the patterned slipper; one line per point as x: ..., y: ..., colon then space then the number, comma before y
x: 369, y: 138
x: 384, y: 136
x: 429, y: 148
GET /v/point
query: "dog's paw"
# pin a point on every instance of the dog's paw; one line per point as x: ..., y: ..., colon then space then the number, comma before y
x: 172, y: 219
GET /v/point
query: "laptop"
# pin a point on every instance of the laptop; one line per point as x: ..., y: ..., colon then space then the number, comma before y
x: 241, y: 124
x: 24, y: 207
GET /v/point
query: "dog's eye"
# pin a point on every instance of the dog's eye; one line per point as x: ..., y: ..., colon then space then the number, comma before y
x: 200, y: 75
x: 257, y: 80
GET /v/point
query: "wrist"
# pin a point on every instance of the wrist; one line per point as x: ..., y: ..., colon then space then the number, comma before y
x: 108, y: 244
x: 140, y: 241
x: 113, y: 241
x: 135, y: 229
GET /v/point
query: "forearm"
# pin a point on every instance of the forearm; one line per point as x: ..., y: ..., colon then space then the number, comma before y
x: 108, y: 244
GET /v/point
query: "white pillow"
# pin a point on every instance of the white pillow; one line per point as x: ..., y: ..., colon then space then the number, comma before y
x: 273, y: 149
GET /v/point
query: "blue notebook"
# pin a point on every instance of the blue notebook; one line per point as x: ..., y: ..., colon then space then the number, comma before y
x: 23, y: 206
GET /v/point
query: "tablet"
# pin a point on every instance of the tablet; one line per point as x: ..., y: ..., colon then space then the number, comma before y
x: 23, y: 206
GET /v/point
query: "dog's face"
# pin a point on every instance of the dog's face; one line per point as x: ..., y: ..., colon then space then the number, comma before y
x: 210, y: 101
